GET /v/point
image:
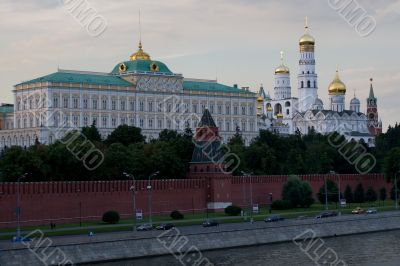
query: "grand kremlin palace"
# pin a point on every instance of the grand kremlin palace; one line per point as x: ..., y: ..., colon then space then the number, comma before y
x: 140, y: 92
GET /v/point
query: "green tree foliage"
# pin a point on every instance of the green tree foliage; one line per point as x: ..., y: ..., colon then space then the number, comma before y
x: 267, y: 154
x: 382, y: 194
x: 91, y: 133
x: 332, y: 189
x: 359, y: 195
x: 297, y: 193
x: 176, y: 215
x: 371, y: 195
x: 392, y: 164
x: 233, y: 210
x: 111, y: 217
x: 125, y: 135
x: 348, y: 194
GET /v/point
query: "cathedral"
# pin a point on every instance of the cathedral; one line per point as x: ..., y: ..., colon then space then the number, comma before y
x: 285, y: 114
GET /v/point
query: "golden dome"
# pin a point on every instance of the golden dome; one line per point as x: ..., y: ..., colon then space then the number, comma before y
x: 279, y: 116
x: 282, y: 69
x: 260, y: 99
x: 269, y: 108
x: 337, y: 86
x: 306, y: 39
x: 140, y: 54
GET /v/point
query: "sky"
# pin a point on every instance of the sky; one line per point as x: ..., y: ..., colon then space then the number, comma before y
x: 233, y: 41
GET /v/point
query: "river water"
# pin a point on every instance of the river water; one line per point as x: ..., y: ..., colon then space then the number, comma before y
x: 373, y: 249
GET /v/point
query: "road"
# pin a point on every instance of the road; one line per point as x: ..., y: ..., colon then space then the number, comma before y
x: 197, y: 229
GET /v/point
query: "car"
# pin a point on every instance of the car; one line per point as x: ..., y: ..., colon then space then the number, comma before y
x: 358, y: 210
x: 273, y: 218
x: 166, y: 226
x: 371, y: 211
x: 145, y: 227
x: 210, y: 222
x: 326, y: 214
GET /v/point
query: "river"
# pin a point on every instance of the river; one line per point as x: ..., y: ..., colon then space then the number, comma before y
x: 371, y: 249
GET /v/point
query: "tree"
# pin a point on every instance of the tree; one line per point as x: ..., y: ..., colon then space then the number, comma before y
x: 126, y: 135
x: 359, y: 196
x: 371, y: 195
x: 92, y: 133
x: 332, y: 189
x: 297, y: 193
x: 348, y: 194
x: 382, y: 194
x: 392, y: 164
x: 237, y: 139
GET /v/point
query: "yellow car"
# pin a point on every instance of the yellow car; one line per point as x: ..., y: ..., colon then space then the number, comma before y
x: 358, y: 210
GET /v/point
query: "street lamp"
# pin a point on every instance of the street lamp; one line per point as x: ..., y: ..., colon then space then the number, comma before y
x: 251, y: 194
x: 18, y: 206
x: 326, y: 194
x: 339, y: 198
x: 395, y: 189
x: 270, y: 203
x: 133, y: 188
x: 149, y: 195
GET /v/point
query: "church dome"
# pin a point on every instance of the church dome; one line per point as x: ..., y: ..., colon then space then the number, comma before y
x: 260, y: 99
x: 279, y: 116
x: 307, y: 39
x: 282, y: 69
x: 318, y: 101
x: 269, y: 108
x: 355, y: 101
x: 337, y: 86
x: 140, y: 54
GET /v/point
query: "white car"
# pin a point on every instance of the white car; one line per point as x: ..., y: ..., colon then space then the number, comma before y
x: 371, y: 211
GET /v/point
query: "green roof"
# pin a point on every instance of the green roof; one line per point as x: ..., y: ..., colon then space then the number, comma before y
x: 6, y: 108
x: 75, y: 77
x: 142, y: 66
x: 211, y: 87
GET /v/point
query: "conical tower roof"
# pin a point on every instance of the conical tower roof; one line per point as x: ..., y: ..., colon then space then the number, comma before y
x: 207, y: 120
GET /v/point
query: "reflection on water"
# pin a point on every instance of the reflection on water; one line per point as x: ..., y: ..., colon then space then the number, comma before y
x: 373, y: 249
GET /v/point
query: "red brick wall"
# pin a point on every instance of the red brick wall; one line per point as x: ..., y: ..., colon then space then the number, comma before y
x: 60, y: 201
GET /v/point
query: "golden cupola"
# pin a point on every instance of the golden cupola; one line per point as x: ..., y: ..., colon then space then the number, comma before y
x: 282, y: 69
x: 337, y: 87
x: 140, y: 54
x: 306, y: 41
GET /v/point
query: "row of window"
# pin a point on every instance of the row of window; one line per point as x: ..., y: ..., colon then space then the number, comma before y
x: 103, y: 122
x: 308, y: 84
x: 150, y: 106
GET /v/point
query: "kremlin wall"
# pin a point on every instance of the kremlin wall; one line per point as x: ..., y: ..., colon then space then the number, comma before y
x: 69, y: 202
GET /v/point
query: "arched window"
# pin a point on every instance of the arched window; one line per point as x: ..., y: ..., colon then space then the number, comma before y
x: 302, y: 84
x: 308, y: 84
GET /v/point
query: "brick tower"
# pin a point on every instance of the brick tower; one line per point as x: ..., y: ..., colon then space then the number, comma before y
x: 374, y: 124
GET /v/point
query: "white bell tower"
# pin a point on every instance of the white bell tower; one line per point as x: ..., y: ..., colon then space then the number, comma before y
x: 307, y: 77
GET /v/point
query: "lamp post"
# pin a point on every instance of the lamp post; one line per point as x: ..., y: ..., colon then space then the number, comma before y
x: 270, y: 203
x: 18, y: 209
x: 395, y: 190
x: 251, y: 194
x: 339, y: 197
x: 149, y: 195
x: 326, y: 195
x: 133, y: 188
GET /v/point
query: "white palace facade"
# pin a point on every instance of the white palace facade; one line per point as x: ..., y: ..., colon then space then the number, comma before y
x: 140, y: 92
